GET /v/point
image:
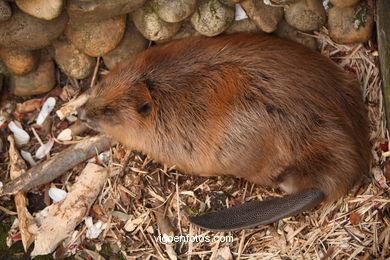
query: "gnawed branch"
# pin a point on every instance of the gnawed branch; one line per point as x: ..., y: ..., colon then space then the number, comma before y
x: 58, y: 164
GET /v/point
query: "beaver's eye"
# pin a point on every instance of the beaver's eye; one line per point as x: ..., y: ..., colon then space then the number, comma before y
x: 108, y: 111
x: 144, y: 108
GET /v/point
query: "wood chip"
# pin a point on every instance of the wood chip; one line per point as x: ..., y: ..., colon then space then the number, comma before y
x: 65, y: 215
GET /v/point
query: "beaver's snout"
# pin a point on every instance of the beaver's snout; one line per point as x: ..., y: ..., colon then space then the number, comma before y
x: 81, y: 114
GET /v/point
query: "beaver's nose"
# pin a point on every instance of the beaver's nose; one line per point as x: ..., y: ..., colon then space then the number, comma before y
x: 81, y: 114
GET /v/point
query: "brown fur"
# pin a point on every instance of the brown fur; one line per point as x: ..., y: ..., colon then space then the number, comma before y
x: 256, y: 107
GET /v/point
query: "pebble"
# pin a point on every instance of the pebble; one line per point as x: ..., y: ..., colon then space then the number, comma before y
x: 73, y: 62
x: 212, y: 17
x: 288, y: 32
x: 131, y: 44
x: 81, y: 11
x: 186, y: 30
x: 173, y: 11
x: 5, y: 11
x: 350, y: 25
x: 306, y: 15
x: 265, y: 16
x: 152, y: 26
x: 244, y: 25
x: 40, y: 81
x: 42, y: 9
x: 27, y: 32
x: 344, y: 3
x: 19, y: 61
x: 97, y: 38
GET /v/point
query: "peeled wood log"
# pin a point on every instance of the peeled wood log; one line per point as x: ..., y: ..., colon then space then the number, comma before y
x: 58, y: 164
x: 383, y: 32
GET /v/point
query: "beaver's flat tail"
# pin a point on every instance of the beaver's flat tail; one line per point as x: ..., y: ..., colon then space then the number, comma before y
x: 254, y: 213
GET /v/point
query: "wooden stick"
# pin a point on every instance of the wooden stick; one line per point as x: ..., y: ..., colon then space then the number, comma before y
x: 17, y: 169
x: 71, y: 107
x: 58, y: 164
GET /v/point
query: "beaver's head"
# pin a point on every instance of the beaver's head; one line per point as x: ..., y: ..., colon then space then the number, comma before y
x: 116, y: 102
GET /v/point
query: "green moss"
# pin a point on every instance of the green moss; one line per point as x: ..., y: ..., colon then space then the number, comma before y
x: 154, y: 6
x: 213, y: 10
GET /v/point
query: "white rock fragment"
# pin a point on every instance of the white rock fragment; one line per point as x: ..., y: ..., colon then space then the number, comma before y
x: 71, y: 118
x: 65, y: 135
x: 44, y: 149
x: 1, y: 184
x: 356, y: 24
x: 93, y: 230
x: 240, y: 13
x: 21, y: 136
x: 28, y: 157
x: 47, y: 107
x: 325, y: 3
x: 57, y: 194
x: 104, y: 157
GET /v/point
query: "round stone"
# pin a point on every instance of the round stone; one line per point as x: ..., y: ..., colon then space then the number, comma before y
x: 97, y: 38
x: 344, y: 3
x: 151, y: 26
x: 306, y: 15
x: 212, y: 17
x: 19, y: 61
x: 244, y: 25
x: 288, y: 32
x: 24, y: 31
x: 350, y: 25
x: 82, y: 11
x: 265, y: 16
x: 73, y: 62
x: 173, y: 11
x: 131, y: 44
x: 40, y: 81
x: 42, y: 9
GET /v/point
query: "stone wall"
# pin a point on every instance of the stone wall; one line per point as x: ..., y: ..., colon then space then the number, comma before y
x: 37, y: 35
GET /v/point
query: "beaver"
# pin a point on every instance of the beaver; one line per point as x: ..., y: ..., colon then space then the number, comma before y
x: 253, y: 106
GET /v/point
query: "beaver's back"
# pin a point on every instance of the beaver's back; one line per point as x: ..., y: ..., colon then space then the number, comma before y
x: 253, y: 106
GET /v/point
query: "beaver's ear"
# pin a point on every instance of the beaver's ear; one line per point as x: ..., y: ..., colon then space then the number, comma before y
x: 144, y: 101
